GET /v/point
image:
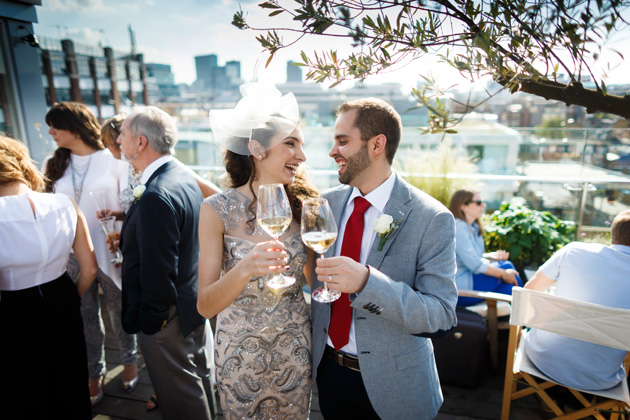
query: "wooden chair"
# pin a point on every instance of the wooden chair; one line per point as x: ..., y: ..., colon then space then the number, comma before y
x: 584, y: 321
x: 495, y: 306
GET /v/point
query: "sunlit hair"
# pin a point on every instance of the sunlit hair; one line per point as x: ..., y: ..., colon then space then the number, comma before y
x: 111, y: 129
x: 374, y: 117
x: 78, y: 120
x: 241, y: 170
x: 157, y: 126
x: 16, y: 165
x: 620, y: 229
x: 462, y: 197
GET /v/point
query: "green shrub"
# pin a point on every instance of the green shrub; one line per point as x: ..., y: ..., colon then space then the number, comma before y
x: 530, y: 236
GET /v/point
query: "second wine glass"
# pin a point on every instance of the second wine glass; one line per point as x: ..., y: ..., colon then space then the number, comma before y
x: 273, y: 214
x: 319, y: 232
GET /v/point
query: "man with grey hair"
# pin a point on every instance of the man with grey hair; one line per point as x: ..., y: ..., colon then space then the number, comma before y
x: 160, y: 250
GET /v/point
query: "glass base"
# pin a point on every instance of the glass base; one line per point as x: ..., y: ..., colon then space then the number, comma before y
x: 325, y: 295
x: 116, y: 260
x: 280, y: 282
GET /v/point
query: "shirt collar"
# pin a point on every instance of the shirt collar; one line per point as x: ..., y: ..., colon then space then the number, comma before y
x: 621, y: 248
x: 379, y: 197
x: 153, y: 166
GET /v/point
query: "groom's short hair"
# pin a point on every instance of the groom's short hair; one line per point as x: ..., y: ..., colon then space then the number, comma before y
x: 157, y: 126
x: 374, y: 117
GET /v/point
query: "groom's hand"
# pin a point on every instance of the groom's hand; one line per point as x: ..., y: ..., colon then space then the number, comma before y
x: 342, y: 273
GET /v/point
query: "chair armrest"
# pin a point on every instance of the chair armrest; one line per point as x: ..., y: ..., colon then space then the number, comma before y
x: 488, y: 296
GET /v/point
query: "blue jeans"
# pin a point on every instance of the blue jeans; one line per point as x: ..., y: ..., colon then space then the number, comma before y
x: 486, y: 283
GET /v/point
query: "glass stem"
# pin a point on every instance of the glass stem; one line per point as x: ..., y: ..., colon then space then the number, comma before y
x: 321, y: 256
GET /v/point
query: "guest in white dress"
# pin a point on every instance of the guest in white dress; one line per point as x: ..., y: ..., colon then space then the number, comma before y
x: 81, y: 165
x: 43, y: 360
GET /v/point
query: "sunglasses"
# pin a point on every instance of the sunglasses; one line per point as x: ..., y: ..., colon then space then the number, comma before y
x: 477, y: 202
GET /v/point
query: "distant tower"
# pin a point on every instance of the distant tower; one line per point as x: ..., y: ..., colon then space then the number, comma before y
x: 294, y: 73
x: 233, y: 72
x: 132, y: 39
x: 205, y: 66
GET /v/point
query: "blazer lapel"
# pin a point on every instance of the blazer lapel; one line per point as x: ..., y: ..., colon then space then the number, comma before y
x: 397, y: 208
x: 133, y: 206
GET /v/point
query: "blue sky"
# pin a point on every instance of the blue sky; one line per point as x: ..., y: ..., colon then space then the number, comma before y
x: 174, y: 31
x: 167, y: 31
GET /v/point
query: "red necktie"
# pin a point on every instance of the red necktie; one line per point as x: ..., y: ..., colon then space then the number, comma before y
x: 341, y: 316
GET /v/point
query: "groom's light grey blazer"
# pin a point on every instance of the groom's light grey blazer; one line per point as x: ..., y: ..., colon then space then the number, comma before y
x: 410, y: 291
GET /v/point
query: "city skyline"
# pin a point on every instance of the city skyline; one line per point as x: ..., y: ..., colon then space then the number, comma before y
x: 166, y: 35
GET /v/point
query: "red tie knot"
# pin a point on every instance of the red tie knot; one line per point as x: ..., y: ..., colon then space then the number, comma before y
x: 361, y: 205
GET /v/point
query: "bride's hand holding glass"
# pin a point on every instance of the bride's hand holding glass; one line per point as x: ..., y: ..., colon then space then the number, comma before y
x: 274, y: 215
x: 264, y: 259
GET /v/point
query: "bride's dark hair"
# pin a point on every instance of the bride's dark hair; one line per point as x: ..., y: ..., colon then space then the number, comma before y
x: 241, y: 170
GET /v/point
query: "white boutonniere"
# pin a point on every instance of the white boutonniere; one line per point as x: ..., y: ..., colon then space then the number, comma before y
x: 137, y: 192
x: 385, y: 226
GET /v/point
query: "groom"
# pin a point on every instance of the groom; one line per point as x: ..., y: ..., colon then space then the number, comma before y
x: 160, y: 254
x: 371, y: 359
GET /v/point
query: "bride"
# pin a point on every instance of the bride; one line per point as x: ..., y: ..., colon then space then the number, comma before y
x: 263, y: 336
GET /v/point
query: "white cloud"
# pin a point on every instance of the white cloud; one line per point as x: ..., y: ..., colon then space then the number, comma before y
x: 75, y: 5
x: 85, y: 35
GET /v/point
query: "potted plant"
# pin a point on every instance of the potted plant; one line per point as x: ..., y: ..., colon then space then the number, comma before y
x: 530, y: 236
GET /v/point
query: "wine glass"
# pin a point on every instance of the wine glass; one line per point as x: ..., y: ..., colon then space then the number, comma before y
x: 274, y: 216
x: 107, y: 223
x: 319, y: 232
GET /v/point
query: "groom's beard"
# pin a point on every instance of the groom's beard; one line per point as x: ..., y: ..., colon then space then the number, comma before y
x: 355, y: 164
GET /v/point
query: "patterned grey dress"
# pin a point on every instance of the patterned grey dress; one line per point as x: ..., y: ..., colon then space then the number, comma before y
x: 263, y: 339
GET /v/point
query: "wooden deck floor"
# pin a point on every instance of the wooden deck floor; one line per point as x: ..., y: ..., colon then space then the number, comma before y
x: 483, y: 402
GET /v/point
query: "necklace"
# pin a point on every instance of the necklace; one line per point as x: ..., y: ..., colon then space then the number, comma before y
x: 78, y: 176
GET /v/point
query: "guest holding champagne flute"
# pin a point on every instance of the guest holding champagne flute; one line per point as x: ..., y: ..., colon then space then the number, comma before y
x: 263, y: 335
x: 80, y: 165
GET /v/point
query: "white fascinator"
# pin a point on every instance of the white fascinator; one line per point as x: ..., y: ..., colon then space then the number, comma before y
x: 263, y: 114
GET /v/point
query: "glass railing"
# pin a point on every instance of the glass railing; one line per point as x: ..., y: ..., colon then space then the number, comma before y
x: 591, y: 204
x: 581, y: 175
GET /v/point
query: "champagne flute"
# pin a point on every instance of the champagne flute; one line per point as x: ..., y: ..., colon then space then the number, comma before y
x: 107, y: 223
x: 100, y: 199
x: 319, y: 232
x: 274, y: 216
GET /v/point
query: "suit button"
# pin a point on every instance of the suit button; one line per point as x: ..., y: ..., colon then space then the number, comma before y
x: 325, y: 332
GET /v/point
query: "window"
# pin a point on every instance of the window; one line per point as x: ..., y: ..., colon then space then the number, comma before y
x: 100, y: 66
x: 8, y: 105
x: 134, y: 70
x: 58, y: 63
x: 83, y: 66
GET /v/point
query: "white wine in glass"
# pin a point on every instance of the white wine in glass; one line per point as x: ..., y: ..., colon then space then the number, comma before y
x: 273, y: 214
x: 319, y: 232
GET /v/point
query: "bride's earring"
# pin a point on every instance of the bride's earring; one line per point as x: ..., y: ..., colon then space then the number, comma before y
x: 259, y: 157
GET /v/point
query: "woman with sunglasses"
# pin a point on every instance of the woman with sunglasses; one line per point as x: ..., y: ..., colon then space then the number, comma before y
x: 475, y: 271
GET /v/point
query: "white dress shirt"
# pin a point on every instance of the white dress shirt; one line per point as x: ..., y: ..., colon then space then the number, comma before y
x: 154, y: 166
x: 378, y: 199
x: 35, y: 247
